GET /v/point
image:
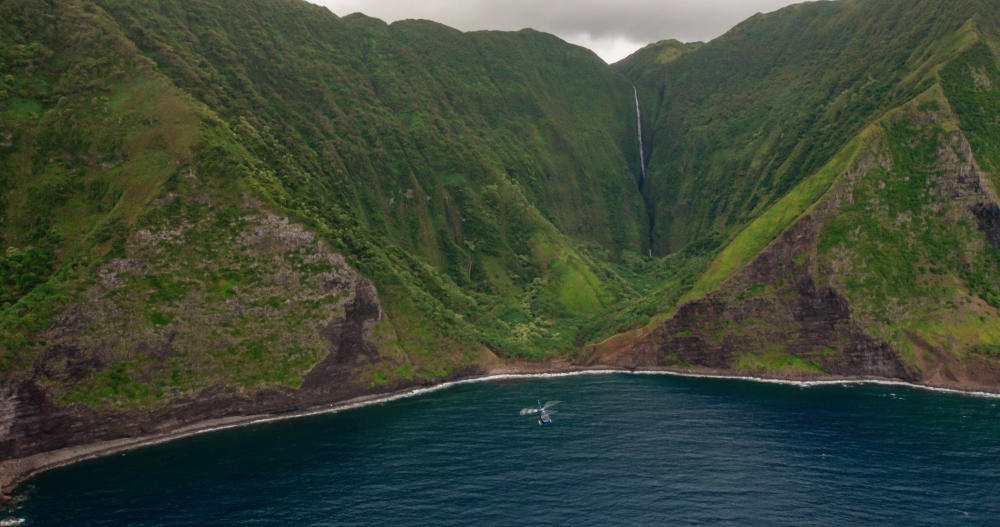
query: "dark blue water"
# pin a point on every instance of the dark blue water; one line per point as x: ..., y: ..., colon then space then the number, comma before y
x: 624, y: 450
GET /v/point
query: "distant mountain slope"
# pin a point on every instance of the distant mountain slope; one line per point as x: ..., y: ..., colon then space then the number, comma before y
x: 443, y: 104
x: 737, y: 123
x: 644, y: 67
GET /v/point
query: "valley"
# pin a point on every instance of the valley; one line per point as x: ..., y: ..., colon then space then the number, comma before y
x: 220, y: 209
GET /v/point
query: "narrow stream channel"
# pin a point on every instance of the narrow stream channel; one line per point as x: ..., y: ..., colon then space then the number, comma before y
x: 650, y: 210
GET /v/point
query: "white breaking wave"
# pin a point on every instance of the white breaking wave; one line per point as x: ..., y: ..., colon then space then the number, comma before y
x: 442, y: 386
x: 504, y: 376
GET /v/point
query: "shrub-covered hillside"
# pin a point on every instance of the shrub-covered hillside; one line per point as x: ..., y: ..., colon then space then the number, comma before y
x: 479, y: 155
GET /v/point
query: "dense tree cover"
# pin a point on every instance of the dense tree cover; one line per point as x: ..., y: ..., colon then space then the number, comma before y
x: 368, y: 110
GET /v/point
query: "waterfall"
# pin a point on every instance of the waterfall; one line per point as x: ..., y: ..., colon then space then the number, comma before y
x: 638, y: 125
x: 642, y: 165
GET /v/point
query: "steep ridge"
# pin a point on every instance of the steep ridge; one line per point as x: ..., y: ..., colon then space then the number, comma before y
x: 883, y: 262
x: 490, y: 147
x: 145, y: 288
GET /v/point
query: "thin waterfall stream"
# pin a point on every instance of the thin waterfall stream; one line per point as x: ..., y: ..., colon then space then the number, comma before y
x: 642, y: 164
x: 638, y: 124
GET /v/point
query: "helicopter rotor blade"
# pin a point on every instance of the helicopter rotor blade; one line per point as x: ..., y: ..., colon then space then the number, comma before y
x: 529, y: 411
x: 549, y: 404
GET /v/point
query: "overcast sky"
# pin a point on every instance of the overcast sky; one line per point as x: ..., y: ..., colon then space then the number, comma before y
x: 612, y: 28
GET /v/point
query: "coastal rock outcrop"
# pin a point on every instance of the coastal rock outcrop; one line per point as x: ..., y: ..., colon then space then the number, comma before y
x: 312, y: 325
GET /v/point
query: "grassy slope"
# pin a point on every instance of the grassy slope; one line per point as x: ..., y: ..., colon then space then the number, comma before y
x: 769, y: 225
x: 81, y: 157
x: 806, y: 58
x: 906, y: 250
x: 948, y: 281
x: 104, y: 159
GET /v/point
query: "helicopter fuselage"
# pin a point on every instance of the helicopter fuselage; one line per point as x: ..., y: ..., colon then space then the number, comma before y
x: 544, y: 414
x: 544, y: 418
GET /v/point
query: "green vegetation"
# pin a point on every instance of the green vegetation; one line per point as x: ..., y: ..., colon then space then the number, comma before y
x: 659, y: 282
x: 452, y: 169
x: 177, y: 176
x: 969, y: 82
x: 739, y: 122
x: 449, y: 166
x: 756, y: 236
x: 754, y: 130
x: 775, y: 361
x: 911, y: 256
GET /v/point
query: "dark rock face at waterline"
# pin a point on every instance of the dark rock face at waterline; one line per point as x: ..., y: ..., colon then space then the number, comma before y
x: 31, y: 423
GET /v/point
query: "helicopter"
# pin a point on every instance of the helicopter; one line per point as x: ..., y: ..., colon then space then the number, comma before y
x: 545, y: 417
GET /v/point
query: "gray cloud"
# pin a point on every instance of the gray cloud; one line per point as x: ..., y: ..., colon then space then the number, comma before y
x: 611, y: 28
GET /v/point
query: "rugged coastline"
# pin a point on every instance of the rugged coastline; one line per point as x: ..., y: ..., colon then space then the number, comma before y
x: 14, y: 472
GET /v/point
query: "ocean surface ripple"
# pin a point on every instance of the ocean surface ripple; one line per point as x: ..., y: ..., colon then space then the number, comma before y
x: 623, y: 450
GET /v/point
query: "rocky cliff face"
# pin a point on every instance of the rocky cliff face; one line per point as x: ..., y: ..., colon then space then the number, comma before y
x: 770, y: 319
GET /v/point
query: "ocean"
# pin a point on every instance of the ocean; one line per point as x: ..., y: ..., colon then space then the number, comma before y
x: 623, y: 449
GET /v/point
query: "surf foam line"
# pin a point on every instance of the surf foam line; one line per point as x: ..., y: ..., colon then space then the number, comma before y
x: 808, y: 384
x: 368, y: 401
x: 512, y: 376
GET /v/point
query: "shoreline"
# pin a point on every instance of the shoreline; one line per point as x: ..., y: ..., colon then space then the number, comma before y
x: 15, y: 472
